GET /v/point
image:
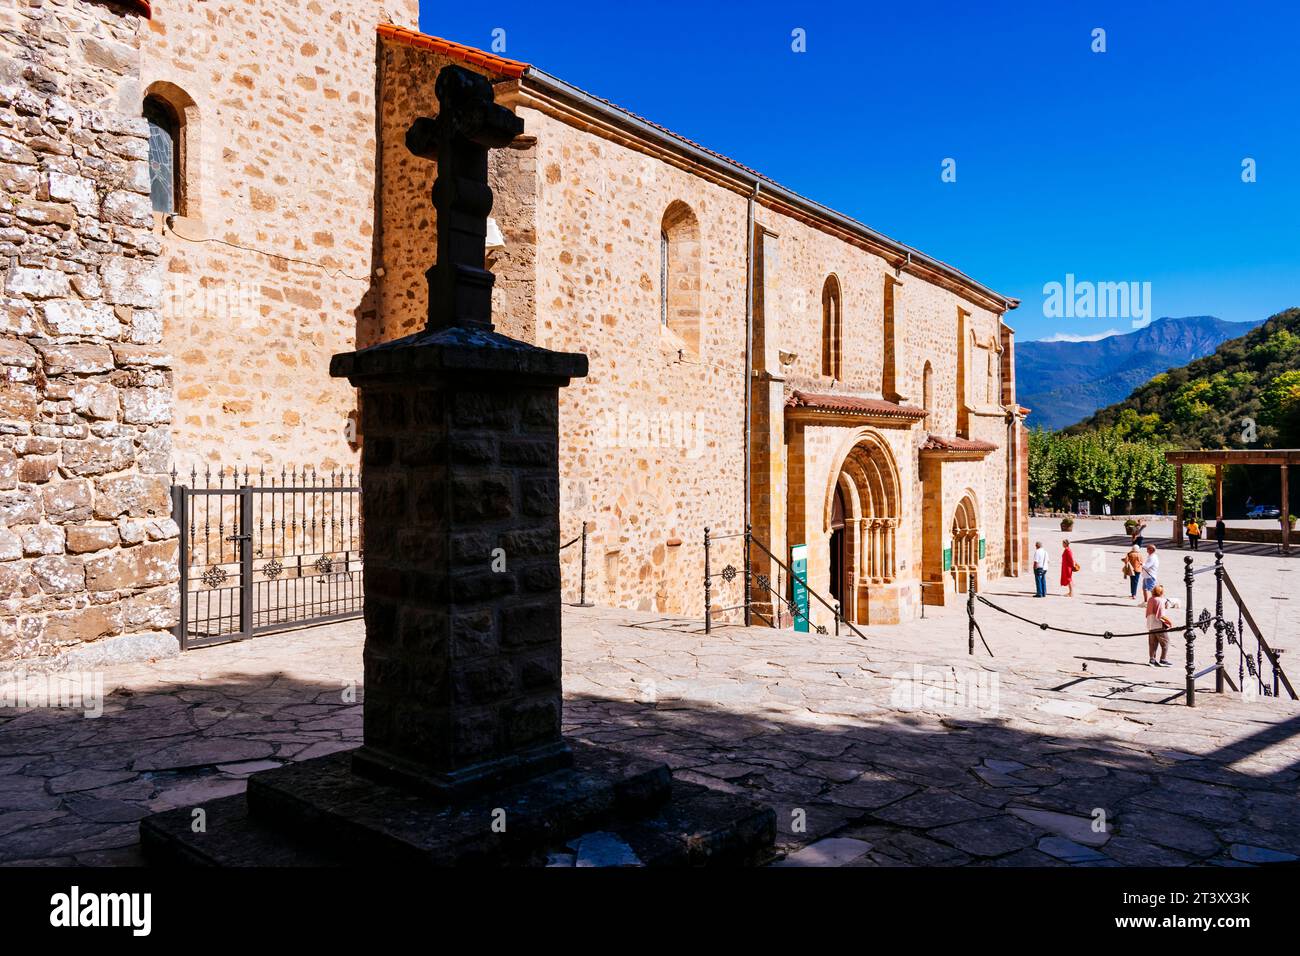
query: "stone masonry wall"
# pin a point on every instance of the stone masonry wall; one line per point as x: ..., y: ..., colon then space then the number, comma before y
x: 652, y: 441
x: 268, y: 268
x: 88, y: 550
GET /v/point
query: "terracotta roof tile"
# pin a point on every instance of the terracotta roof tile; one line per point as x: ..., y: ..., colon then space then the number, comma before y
x: 851, y: 404
x: 457, y: 51
x: 940, y: 443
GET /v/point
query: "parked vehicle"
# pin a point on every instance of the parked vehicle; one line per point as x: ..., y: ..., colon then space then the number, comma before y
x: 1264, y: 511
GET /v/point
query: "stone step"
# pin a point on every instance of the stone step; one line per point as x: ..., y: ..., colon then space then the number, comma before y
x: 230, y: 838
x: 694, y: 826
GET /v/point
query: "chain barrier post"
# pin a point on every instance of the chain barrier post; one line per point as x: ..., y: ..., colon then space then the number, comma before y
x: 1190, y: 634
x: 582, y: 588
x: 748, y: 573
x: 970, y: 613
x: 707, y: 614
x: 1218, y: 621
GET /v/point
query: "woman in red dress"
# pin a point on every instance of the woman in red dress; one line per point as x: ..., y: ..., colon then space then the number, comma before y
x: 1067, y: 568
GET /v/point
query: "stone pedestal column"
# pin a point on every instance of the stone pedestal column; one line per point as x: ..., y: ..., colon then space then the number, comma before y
x: 460, y: 497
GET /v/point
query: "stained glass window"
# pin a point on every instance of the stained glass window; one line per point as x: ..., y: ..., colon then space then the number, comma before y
x: 163, y: 137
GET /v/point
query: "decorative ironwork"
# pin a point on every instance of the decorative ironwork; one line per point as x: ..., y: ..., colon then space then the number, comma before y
x: 299, y: 529
x: 215, y: 576
x: 729, y: 573
x: 764, y: 582
x: 1205, y: 620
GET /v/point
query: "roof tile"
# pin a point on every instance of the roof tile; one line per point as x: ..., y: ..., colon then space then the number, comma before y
x: 941, y: 443
x: 457, y: 51
x: 851, y: 404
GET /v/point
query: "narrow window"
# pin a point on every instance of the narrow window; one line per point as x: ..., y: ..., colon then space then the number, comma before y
x: 164, y: 155
x: 832, y: 330
x: 663, y: 278
x: 927, y: 393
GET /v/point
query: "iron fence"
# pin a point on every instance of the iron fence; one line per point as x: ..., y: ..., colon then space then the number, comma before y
x: 261, y: 552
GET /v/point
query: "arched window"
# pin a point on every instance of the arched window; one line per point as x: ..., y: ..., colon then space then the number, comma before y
x: 832, y: 329
x: 164, y: 155
x: 679, y: 276
x: 927, y: 394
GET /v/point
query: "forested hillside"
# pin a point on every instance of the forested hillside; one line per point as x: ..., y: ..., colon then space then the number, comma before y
x: 1245, y: 395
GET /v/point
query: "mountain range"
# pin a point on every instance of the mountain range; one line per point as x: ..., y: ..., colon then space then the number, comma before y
x: 1064, y: 382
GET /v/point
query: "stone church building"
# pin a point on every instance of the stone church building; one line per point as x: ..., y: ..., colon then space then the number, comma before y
x: 206, y: 199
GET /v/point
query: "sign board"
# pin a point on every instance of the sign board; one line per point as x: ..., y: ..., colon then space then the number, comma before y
x: 947, y: 559
x: 981, y: 549
x: 799, y: 565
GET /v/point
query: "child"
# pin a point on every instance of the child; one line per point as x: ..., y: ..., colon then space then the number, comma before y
x: 1158, y: 621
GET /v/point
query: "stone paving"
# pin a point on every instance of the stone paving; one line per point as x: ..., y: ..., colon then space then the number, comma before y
x: 902, y: 750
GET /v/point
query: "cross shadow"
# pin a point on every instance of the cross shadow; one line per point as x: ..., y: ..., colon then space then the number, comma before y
x: 931, y: 786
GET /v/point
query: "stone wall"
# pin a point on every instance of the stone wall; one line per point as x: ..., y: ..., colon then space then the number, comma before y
x: 268, y: 267
x: 652, y: 442
x: 88, y: 550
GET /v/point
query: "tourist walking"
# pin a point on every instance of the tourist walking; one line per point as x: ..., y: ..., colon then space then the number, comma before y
x: 1158, y: 624
x: 1194, y: 534
x: 1133, y: 570
x: 1138, y: 528
x: 1068, y: 567
x: 1220, y: 530
x: 1150, y: 572
x: 1040, y: 570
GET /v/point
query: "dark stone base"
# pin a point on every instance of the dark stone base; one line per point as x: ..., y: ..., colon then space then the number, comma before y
x: 462, y: 784
x: 319, y: 812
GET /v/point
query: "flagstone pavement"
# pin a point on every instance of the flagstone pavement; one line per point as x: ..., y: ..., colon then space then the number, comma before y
x: 898, y: 750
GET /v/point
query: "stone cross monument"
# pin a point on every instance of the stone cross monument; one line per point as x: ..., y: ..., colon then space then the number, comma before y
x: 460, y: 497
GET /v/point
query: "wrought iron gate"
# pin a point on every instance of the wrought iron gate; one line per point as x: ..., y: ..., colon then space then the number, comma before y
x: 265, y: 556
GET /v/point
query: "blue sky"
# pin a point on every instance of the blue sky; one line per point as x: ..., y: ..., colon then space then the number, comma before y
x: 1122, y: 166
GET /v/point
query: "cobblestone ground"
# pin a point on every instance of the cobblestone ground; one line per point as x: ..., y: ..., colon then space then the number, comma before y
x: 902, y: 750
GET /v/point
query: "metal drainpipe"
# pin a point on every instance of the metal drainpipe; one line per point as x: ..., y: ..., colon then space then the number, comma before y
x: 749, y: 357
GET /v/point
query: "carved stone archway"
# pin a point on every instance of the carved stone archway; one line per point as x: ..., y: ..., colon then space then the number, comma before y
x: 965, y: 543
x: 862, y: 515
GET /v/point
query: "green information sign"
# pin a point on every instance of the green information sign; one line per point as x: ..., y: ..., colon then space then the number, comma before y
x: 799, y: 564
x: 981, y: 549
x: 947, y: 559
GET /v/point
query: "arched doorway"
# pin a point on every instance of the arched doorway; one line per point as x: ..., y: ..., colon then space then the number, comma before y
x: 862, y: 518
x: 838, y: 541
x: 965, y: 543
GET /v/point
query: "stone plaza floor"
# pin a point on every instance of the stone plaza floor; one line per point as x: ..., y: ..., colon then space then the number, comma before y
x: 899, y: 750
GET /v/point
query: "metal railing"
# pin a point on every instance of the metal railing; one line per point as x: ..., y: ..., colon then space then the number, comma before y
x: 1247, y: 664
x: 729, y: 573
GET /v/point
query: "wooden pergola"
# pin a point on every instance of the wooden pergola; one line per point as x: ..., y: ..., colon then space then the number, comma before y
x: 1283, y: 458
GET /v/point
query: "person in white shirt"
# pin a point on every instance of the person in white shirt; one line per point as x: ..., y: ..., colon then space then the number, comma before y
x: 1040, y: 570
x: 1150, y: 572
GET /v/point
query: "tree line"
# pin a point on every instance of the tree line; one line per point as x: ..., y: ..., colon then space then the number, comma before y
x: 1114, y: 466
